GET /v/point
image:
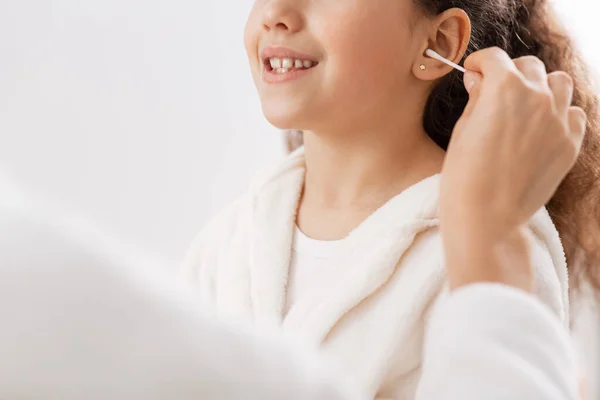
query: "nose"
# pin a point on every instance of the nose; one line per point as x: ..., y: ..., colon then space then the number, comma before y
x: 283, y: 16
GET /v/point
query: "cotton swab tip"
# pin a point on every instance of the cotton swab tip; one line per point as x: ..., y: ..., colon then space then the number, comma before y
x: 436, y: 56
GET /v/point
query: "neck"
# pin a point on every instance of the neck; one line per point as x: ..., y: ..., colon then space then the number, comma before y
x: 363, y: 168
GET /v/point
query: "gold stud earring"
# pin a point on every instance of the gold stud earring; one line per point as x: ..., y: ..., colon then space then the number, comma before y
x: 422, y: 67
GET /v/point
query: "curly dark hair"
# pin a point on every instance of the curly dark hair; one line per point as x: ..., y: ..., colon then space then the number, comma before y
x: 529, y: 27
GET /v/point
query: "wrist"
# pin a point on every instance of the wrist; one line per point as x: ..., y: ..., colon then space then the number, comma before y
x: 474, y: 254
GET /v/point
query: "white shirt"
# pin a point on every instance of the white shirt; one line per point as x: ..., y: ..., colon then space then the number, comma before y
x: 313, y: 266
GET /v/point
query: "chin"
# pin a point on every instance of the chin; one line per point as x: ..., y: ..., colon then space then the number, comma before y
x: 286, y: 116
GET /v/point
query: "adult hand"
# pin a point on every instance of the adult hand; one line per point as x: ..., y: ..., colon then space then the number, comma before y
x: 517, y: 139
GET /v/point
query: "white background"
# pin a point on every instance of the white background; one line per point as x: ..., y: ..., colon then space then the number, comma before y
x: 142, y: 113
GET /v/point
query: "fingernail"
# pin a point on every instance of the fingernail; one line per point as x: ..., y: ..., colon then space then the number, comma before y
x: 469, y: 81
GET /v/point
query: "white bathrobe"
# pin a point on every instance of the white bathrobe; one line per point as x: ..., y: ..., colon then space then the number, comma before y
x: 373, y: 320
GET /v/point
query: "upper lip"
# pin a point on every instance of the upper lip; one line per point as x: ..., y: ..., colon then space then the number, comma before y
x: 284, y: 52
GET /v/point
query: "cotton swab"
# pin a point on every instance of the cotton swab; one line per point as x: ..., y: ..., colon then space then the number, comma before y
x: 436, y: 56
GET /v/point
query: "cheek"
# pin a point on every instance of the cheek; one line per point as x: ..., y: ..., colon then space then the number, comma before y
x: 368, y: 55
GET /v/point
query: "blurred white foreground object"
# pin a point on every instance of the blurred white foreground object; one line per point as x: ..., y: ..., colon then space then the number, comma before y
x: 80, y: 323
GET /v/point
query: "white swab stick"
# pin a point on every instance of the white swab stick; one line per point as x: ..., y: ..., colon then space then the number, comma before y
x: 435, y: 55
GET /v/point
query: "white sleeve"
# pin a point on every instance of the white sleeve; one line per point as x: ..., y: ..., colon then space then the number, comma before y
x: 490, y: 341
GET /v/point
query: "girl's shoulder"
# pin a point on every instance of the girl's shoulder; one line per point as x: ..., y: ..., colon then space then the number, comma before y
x: 219, y: 229
x: 269, y: 189
x: 548, y: 263
x: 551, y: 280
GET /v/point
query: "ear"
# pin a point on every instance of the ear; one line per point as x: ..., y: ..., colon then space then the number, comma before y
x: 449, y: 36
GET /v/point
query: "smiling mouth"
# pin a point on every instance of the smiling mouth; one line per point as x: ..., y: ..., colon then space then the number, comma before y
x: 284, y: 65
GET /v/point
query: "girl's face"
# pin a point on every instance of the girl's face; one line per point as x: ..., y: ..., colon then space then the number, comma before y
x: 317, y: 63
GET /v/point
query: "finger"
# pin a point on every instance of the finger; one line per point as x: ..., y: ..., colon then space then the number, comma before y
x: 561, y: 85
x: 490, y: 62
x: 577, y: 125
x: 533, y: 69
x: 472, y: 81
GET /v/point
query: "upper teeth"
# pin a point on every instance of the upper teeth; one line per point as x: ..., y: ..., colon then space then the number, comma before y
x: 284, y: 64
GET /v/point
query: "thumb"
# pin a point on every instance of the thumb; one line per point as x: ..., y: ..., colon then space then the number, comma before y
x: 472, y: 81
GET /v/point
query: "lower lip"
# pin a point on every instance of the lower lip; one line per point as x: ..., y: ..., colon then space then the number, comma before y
x: 273, y: 78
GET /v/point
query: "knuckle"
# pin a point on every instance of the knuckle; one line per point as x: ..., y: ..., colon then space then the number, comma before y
x: 533, y: 61
x: 496, y: 51
x: 577, y: 118
x: 578, y: 113
x: 561, y: 77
